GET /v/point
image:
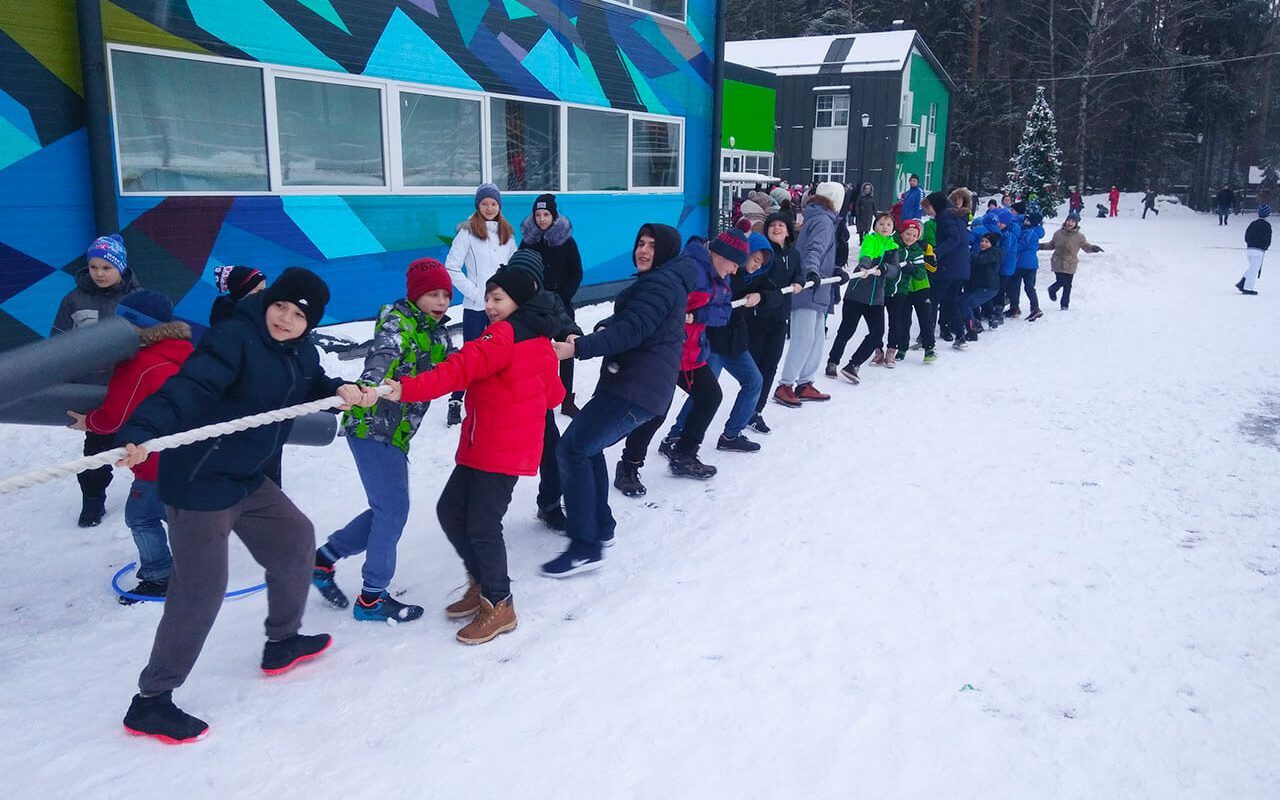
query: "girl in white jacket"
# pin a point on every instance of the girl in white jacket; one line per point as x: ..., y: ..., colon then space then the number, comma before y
x: 485, y: 241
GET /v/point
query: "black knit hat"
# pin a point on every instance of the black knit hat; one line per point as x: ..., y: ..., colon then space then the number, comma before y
x: 237, y: 281
x: 546, y: 202
x: 527, y: 260
x: 519, y: 283
x: 304, y: 289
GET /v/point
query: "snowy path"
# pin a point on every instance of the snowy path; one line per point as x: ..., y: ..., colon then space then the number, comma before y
x: 1076, y: 518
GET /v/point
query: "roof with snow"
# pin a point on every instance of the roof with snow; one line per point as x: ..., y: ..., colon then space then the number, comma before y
x: 885, y: 51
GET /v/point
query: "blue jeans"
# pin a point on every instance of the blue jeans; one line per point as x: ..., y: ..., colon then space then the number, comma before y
x: 384, y: 471
x: 974, y: 300
x: 144, y: 514
x: 743, y: 369
x: 602, y: 422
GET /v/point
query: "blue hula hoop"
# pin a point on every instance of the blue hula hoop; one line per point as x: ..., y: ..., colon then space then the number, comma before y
x: 115, y: 584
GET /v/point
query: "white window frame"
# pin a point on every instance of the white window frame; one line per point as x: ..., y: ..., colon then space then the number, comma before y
x: 833, y: 110
x: 829, y: 172
x: 392, y: 145
x: 682, y: 19
x: 734, y: 160
x: 933, y: 117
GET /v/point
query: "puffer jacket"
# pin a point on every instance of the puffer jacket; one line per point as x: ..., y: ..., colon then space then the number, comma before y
x: 561, y: 261
x: 952, y: 246
x: 732, y: 339
x: 1066, y: 246
x: 87, y: 303
x: 710, y: 303
x: 512, y: 378
x: 784, y: 270
x: 878, y: 252
x: 911, y: 208
x: 914, y: 263
x: 985, y: 269
x: 817, y: 249
x: 406, y: 342
x: 472, y: 262
x: 237, y: 370
x: 1029, y: 245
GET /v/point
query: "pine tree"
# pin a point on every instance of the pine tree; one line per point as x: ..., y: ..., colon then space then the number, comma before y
x: 1037, y: 167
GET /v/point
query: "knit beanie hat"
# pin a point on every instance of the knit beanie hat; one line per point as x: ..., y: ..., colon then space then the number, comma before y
x: 833, y: 191
x: 779, y: 195
x: 1264, y: 211
x: 426, y: 275
x: 743, y: 224
x: 237, y: 281
x: 529, y: 261
x: 733, y: 245
x: 488, y: 190
x: 145, y: 308
x: 992, y: 237
x: 519, y: 283
x: 545, y: 202
x: 110, y: 249
x: 304, y: 289
x: 911, y: 223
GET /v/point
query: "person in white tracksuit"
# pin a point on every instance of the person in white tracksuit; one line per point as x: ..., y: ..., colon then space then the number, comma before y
x: 1257, y: 238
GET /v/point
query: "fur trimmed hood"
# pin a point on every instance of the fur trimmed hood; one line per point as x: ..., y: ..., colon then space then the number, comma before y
x: 559, y: 232
x: 165, y: 330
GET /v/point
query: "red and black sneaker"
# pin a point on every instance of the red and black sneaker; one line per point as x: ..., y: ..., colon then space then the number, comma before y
x: 284, y: 655
x: 806, y: 392
x: 160, y: 719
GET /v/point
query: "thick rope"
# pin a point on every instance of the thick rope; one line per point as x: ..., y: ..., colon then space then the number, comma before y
x: 109, y: 457
x: 787, y: 290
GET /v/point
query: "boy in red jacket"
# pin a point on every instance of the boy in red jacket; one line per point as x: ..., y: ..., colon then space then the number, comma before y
x: 165, y: 346
x: 512, y: 378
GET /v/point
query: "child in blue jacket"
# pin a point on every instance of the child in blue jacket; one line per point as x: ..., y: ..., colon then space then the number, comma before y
x: 1025, y: 277
x: 1010, y: 229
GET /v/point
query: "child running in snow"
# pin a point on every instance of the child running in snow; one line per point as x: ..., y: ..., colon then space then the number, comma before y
x: 485, y: 241
x: 1066, y: 245
x: 864, y: 299
x: 910, y: 290
x: 409, y: 339
x: 512, y: 378
x: 166, y: 344
x: 259, y: 361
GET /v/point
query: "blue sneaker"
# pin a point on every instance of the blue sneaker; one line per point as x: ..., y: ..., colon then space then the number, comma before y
x: 322, y: 579
x: 572, y: 562
x: 385, y: 609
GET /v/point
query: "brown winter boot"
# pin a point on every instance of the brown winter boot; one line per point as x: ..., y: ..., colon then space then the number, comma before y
x: 878, y: 358
x: 785, y: 395
x: 468, y: 605
x: 891, y: 357
x: 491, y: 622
x: 568, y: 407
x: 805, y: 391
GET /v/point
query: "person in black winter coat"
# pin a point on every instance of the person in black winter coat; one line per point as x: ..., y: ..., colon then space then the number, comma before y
x: 551, y: 235
x: 258, y: 361
x: 865, y: 210
x: 1257, y: 239
x: 1224, y: 203
x: 951, y: 247
x: 767, y: 322
x: 234, y: 284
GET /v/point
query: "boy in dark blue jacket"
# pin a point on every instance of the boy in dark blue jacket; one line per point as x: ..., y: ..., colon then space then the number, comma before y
x: 258, y: 361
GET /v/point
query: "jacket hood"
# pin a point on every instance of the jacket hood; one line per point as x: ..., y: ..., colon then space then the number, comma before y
x: 862, y: 190
x: 938, y: 201
x: 559, y: 232
x: 535, y: 317
x: 165, y: 331
x: 128, y: 283
x: 666, y: 242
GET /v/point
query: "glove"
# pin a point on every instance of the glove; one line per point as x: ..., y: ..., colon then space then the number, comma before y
x: 842, y: 275
x: 812, y: 277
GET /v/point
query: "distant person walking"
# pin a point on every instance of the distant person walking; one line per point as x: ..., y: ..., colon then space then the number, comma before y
x: 1257, y: 238
x: 1149, y: 203
x: 1223, y: 203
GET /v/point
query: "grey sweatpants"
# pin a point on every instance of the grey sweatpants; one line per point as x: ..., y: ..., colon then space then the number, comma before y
x: 804, y: 356
x: 278, y: 536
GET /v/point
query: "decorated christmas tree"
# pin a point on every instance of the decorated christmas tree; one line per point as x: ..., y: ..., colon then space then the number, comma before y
x: 1037, y: 167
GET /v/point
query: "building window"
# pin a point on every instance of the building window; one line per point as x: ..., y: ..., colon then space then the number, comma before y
x: 330, y: 134
x: 440, y: 140
x: 833, y: 111
x: 666, y: 8
x: 655, y: 149
x: 824, y: 170
x: 597, y: 151
x: 173, y: 139
x: 524, y: 145
x: 928, y: 177
x: 726, y: 163
x: 933, y: 117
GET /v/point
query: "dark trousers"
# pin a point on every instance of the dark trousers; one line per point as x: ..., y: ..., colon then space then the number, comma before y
x: 766, y: 341
x: 277, y: 535
x: 94, y: 482
x: 898, y: 309
x: 473, y: 324
x: 946, y: 298
x: 470, y: 511
x: 549, y: 490
x: 703, y: 389
x: 1062, y: 281
x: 1145, y: 209
x: 850, y: 314
x: 921, y: 301
x: 1025, y: 279
x: 1224, y: 214
x: 1009, y: 293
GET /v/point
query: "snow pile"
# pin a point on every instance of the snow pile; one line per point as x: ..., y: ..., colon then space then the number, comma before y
x: 1043, y: 567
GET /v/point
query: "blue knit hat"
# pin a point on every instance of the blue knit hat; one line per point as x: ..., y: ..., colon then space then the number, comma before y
x: 145, y: 308
x: 490, y: 191
x: 1264, y: 211
x: 111, y: 250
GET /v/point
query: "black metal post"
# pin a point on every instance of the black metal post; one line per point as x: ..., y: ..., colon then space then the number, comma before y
x: 93, y: 68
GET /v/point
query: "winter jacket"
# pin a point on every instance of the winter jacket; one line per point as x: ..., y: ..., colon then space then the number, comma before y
x: 223, y: 308
x: 1028, y: 245
x: 914, y: 264
x: 1009, y: 236
x: 561, y: 261
x: 987, y: 223
x: 1225, y: 199
x: 929, y: 232
x: 911, y: 208
x: 164, y: 349
x: 842, y: 243
x: 864, y: 209
x: 784, y: 270
x: 1258, y: 235
x: 878, y: 252
x: 732, y: 339
x: 984, y: 269
x: 471, y: 262
x: 1149, y: 199
x: 86, y: 304
x: 1076, y: 202
x: 512, y: 378
x: 1114, y: 196
x: 237, y: 370
x: 710, y: 304
x: 1066, y: 246
x: 641, y: 341
x: 952, y: 248
x: 406, y: 342
x: 817, y: 248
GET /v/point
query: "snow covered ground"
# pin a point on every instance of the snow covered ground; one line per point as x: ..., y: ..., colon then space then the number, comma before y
x: 1044, y: 567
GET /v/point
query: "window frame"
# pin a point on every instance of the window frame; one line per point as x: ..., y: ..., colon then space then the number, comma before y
x: 564, y: 147
x: 833, y: 110
x: 398, y: 186
x: 828, y: 172
x: 631, y: 152
x: 681, y: 20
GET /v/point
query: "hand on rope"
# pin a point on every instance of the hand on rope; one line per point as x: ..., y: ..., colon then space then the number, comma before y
x: 792, y: 289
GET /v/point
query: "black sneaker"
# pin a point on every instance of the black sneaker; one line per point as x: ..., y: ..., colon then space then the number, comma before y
x: 385, y: 609
x: 667, y: 445
x: 971, y: 336
x: 1239, y: 285
x: 1035, y: 315
x: 92, y: 510
x: 738, y: 444
x: 687, y: 465
x: 832, y: 369
x: 959, y: 343
x: 284, y: 655
x: 553, y: 517
x: 159, y: 718
x: 144, y: 589
x: 900, y: 356
x: 575, y: 560
x: 758, y: 425
x: 322, y: 579
x: 455, y: 413
x: 946, y: 336
x: 626, y: 479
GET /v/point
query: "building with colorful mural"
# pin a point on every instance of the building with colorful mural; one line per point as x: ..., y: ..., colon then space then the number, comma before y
x: 863, y: 107
x: 346, y: 136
